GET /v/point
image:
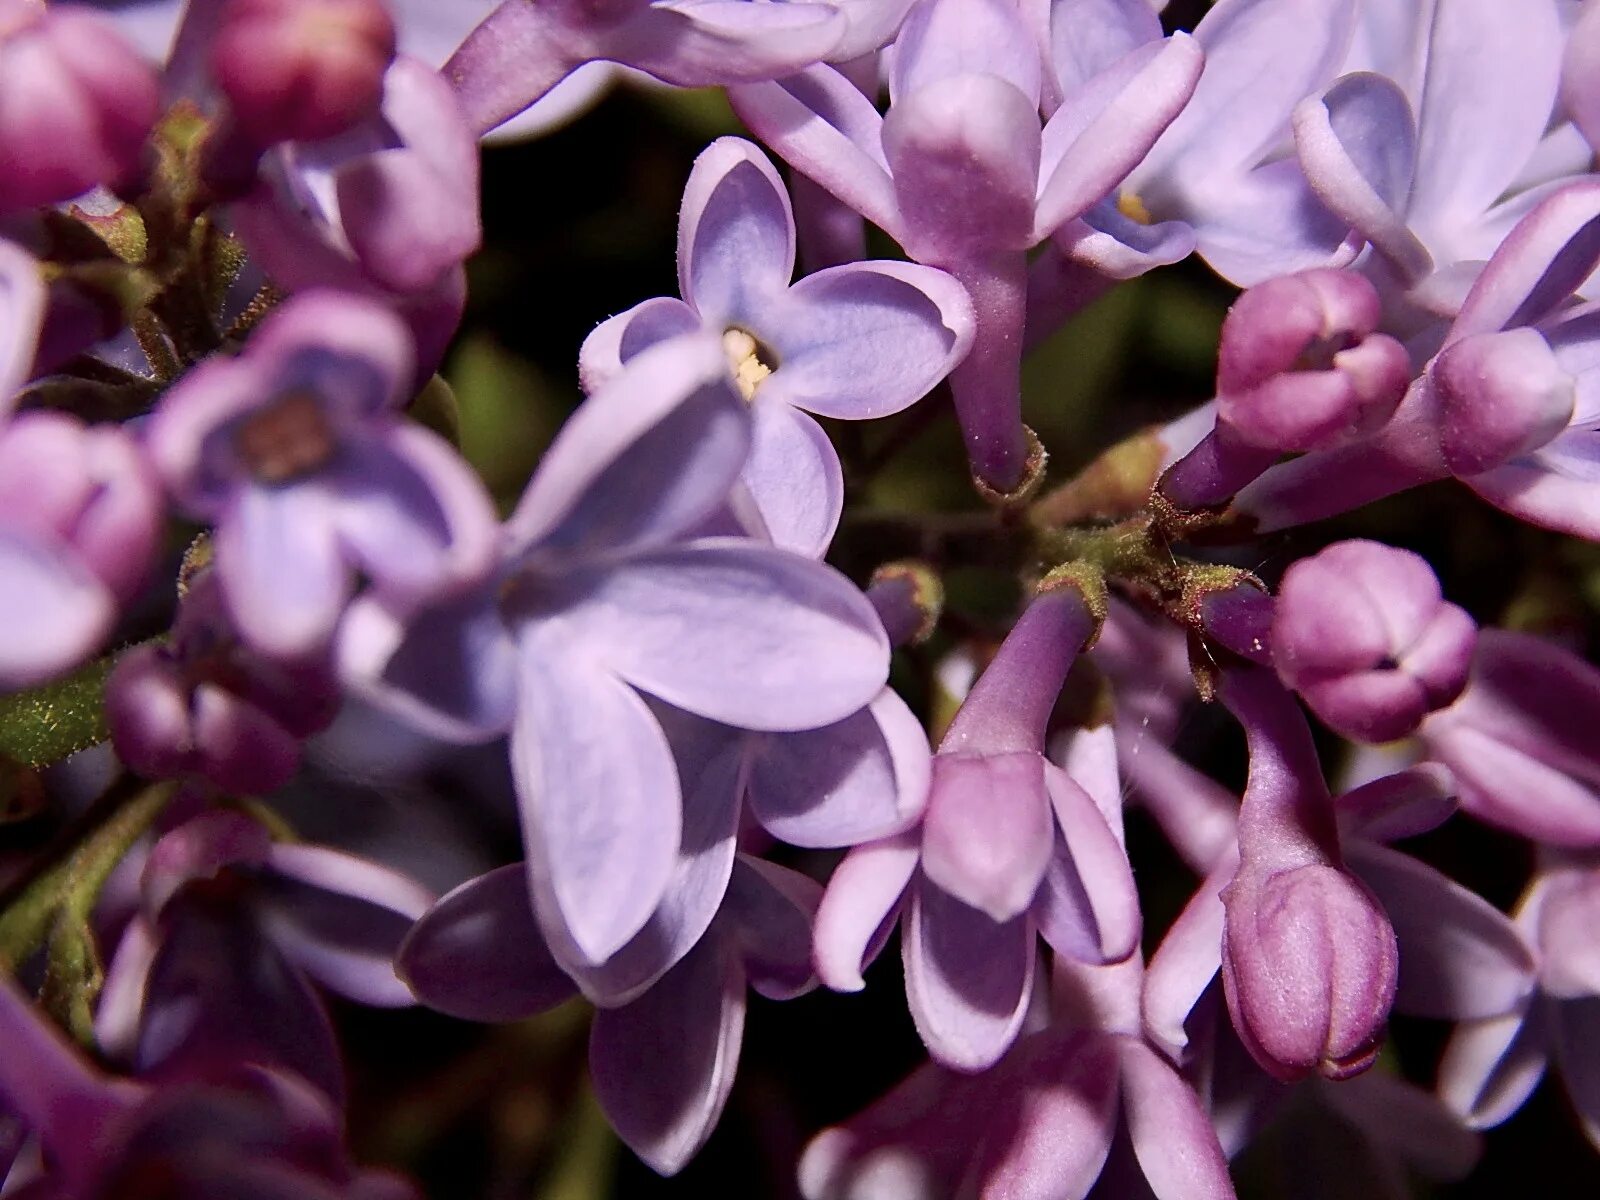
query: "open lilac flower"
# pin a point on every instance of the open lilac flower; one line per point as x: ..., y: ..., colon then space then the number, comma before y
x: 297, y: 452
x: 80, y: 519
x: 1492, y: 1065
x: 961, y: 174
x: 855, y: 341
x: 200, y: 703
x: 600, y: 598
x: 663, y: 1057
x: 1010, y: 847
x: 216, y: 965
x: 1519, y: 741
x: 1427, y: 170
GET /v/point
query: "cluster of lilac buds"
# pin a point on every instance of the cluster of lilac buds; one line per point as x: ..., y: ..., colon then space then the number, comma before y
x: 449, y: 685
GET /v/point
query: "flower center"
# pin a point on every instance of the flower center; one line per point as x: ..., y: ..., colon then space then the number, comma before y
x: 287, y: 439
x: 1131, y: 206
x: 748, y: 360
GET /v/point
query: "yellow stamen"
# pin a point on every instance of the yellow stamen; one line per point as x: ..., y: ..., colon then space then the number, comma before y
x: 1130, y: 206
x: 744, y: 357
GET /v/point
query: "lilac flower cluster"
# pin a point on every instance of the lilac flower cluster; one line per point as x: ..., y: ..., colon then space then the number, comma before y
x: 233, y: 237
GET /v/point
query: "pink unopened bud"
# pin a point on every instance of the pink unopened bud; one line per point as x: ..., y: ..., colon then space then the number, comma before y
x: 1309, y: 966
x: 1301, y: 366
x: 76, y: 104
x: 1362, y: 632
x: 299, y: 70
x: 1500, y: 395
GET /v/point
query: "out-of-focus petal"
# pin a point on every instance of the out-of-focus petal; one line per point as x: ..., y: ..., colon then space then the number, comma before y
x: 1491, y: 1066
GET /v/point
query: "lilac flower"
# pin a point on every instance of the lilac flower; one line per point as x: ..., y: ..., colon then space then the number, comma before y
x: 856, y: 341
x: 215, y: 966
x: 200, y: 703
x: 296, y: 451
x: 600, y: 597
x: 663, y: 1056
x: 76, y: 103
x: 961, y: 175
x: 23, y: 300
x: 1519, y: 741
x: 1010, y: 846
x: 1492, y: 1065
x: 1362, y: 632
x: 80, y: 519
x: 1215, y: 181
x: 1504, y: 406
x: 237, y: 1131
x: 1430, y: 178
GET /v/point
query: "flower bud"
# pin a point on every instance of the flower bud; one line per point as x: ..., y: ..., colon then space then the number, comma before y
x: 1362, y: 632
x: 1500, y: 395
x: 1301, y: 365
x: 76, y: 104
x: 1309, y: 966
x: 300, y: 70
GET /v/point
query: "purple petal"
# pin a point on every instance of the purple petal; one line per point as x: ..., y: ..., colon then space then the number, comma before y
x: 617, y: 339
x: 478, y: 953
x: 121, y: 1003
x: 599, y: 798
x: 1491, y: 84
x: 1460, y: 958
x: 1119, y: 248
x: 769, y: 914
x: 735, y: 233
x: 1490, y: 1067
x: 55, y: 612
x: 1400, y: 805
x: 987, y: 834
x: 1268, y: 223
x: 1087, y: 36
x: 968, y: 978
x: 1087, y: 907
x: 794, y: 476
x: 705, y: 43
x: 22, y: 307
x: 1501, y: 784
x: 860, y: 907
x: 855, y: 781
x: 663, y: 1065
x: 865, y: 340
x: 958, y: 37
x: 1188, y: 959
x: 1171, y: 1133
x: 740, y: 633
x: 279, y: 565
x: 671, y: 426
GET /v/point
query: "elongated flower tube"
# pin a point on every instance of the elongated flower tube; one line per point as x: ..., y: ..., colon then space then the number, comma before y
x: 1309, y: 964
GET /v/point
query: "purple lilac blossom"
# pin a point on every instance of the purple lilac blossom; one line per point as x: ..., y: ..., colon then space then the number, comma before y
x: 600, y: 598
x: 961, y: 174
x: 296, y: 450
x: 76, y: 102
x: 856, y: 341
x: 1010, y: 847
x: 80, y: 520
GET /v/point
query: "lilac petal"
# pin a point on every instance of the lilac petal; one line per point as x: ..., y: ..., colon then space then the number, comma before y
x: 1117, y: 247
x: 794, y: 476
x: 118, y: 1011
x: 1087, y: 908
x: 740, y: 633
x: 1268, y: 223
x: 968, y: 978
x: 711, y: 765
x: 1357, y: 143
x: 1171, y: 1133
x: 663, y: 1065
x: 237, y: 746
x: 1402, y: 1119
x: 1491, y: 84
x: 413, y: 516
x: 1103, y: 130
x: 1490, y: 1067
x: 55, y: 612
x: 1506, y: 787
x: 827, y: 130
x: 1050, y: 1127
x: 1554, y: 489
x: 599, y: 798
x: 1087, y: 36
x: 865, y: 340
x: 860, y: 906
x: 22, y: 307
x: 1262, y: 58
x: 282, y: 576
x: 1460, y: 958
x: 769, y: 914
x: 341, y: 919
x: 987, y: 834
x: 1188, y: 959
x: 617, y: 339
x: 671, y: 426
x: 509, y: 61
x: 854, y: 781
x: 1400, y: 805
x: 957, y: 37
x: 478, y: 953
x: 450, y: 671
x: 1580, y: 79
x: 735, y: 233
x: 705, y: 43
x: 1575, y: 1024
